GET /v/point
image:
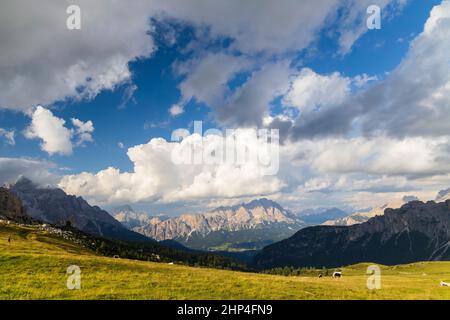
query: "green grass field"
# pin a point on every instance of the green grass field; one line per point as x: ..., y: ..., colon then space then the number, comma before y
x: 33, y: 266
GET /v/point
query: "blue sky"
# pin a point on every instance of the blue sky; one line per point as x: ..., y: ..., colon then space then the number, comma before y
x: 135, y: 109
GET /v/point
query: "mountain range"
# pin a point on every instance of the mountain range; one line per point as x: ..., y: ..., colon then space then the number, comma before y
x: 14, y: 218
x: 415, y: 232
x: 247, y: 226
x: 363, y: 216
x: 54, y: 206
x: 131, y: 219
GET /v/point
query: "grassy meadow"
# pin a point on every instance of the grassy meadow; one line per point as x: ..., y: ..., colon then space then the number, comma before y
x: 33, y: 266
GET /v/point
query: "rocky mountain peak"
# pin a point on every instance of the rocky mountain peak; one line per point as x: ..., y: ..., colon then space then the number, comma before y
x: 54, y: 206
x: 246, y: 216
x: 416, y: 231
x: 24, y: 183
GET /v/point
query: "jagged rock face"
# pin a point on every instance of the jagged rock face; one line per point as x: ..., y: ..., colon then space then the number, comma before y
x: 415, y: 232
x: 130, y: 219
x: 246, y: 216
x: 56, y: 207
x: 10, y: 205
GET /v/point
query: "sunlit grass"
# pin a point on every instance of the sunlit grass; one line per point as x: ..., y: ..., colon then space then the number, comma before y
x: 33, y: 266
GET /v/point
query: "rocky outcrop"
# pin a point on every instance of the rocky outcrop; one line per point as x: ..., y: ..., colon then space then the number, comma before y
x: 10, y: 204
x: 415, y: 232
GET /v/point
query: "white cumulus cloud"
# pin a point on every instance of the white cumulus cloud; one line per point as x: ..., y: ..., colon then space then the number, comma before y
x: 83, y: 130
x: 157, y: 175
x: 56, y: 138
x: 311, y: 90
x: 176, y: 110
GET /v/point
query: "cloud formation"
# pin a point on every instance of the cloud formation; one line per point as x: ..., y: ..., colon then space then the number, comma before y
x: 158, y: 176
x: 8, y: 136
x: 176, y: 110
x: 83, y: 130
x: 413, y: 96
x: 342, y: 135
x: 55, y: 137
x: 43, y: 62
x: 275, y: 27
x: 311, y: 91
x: 259, y: 31
x: 39, y: 171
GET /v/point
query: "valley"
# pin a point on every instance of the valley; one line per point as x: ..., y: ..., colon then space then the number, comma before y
x: 33, y: 266
x: 410, y: 245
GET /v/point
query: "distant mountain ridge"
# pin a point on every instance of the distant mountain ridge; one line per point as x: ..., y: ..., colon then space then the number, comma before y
x: 252, y: 224
x: 363, y: 216
x: 54, y: 206
x: 320, y: 215
x: 415, y: 232
x: 129, y: 218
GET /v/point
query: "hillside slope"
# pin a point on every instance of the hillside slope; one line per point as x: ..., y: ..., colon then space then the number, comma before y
x: 33, y: 266
x: 415, y: 232
x: 54, y: 206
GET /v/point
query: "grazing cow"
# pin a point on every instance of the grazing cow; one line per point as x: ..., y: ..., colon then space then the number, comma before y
x: 445, y: 284
x: 337, y: 274
x: 320, y: 275
x: 116, y: 256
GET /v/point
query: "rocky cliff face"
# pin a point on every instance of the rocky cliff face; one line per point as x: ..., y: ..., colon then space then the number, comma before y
x: 56, y: 207
x: 246, y: 216
x: 256, y: 223
x: 415, y: 232
x: 129, y: 218
x: 10, y: 205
